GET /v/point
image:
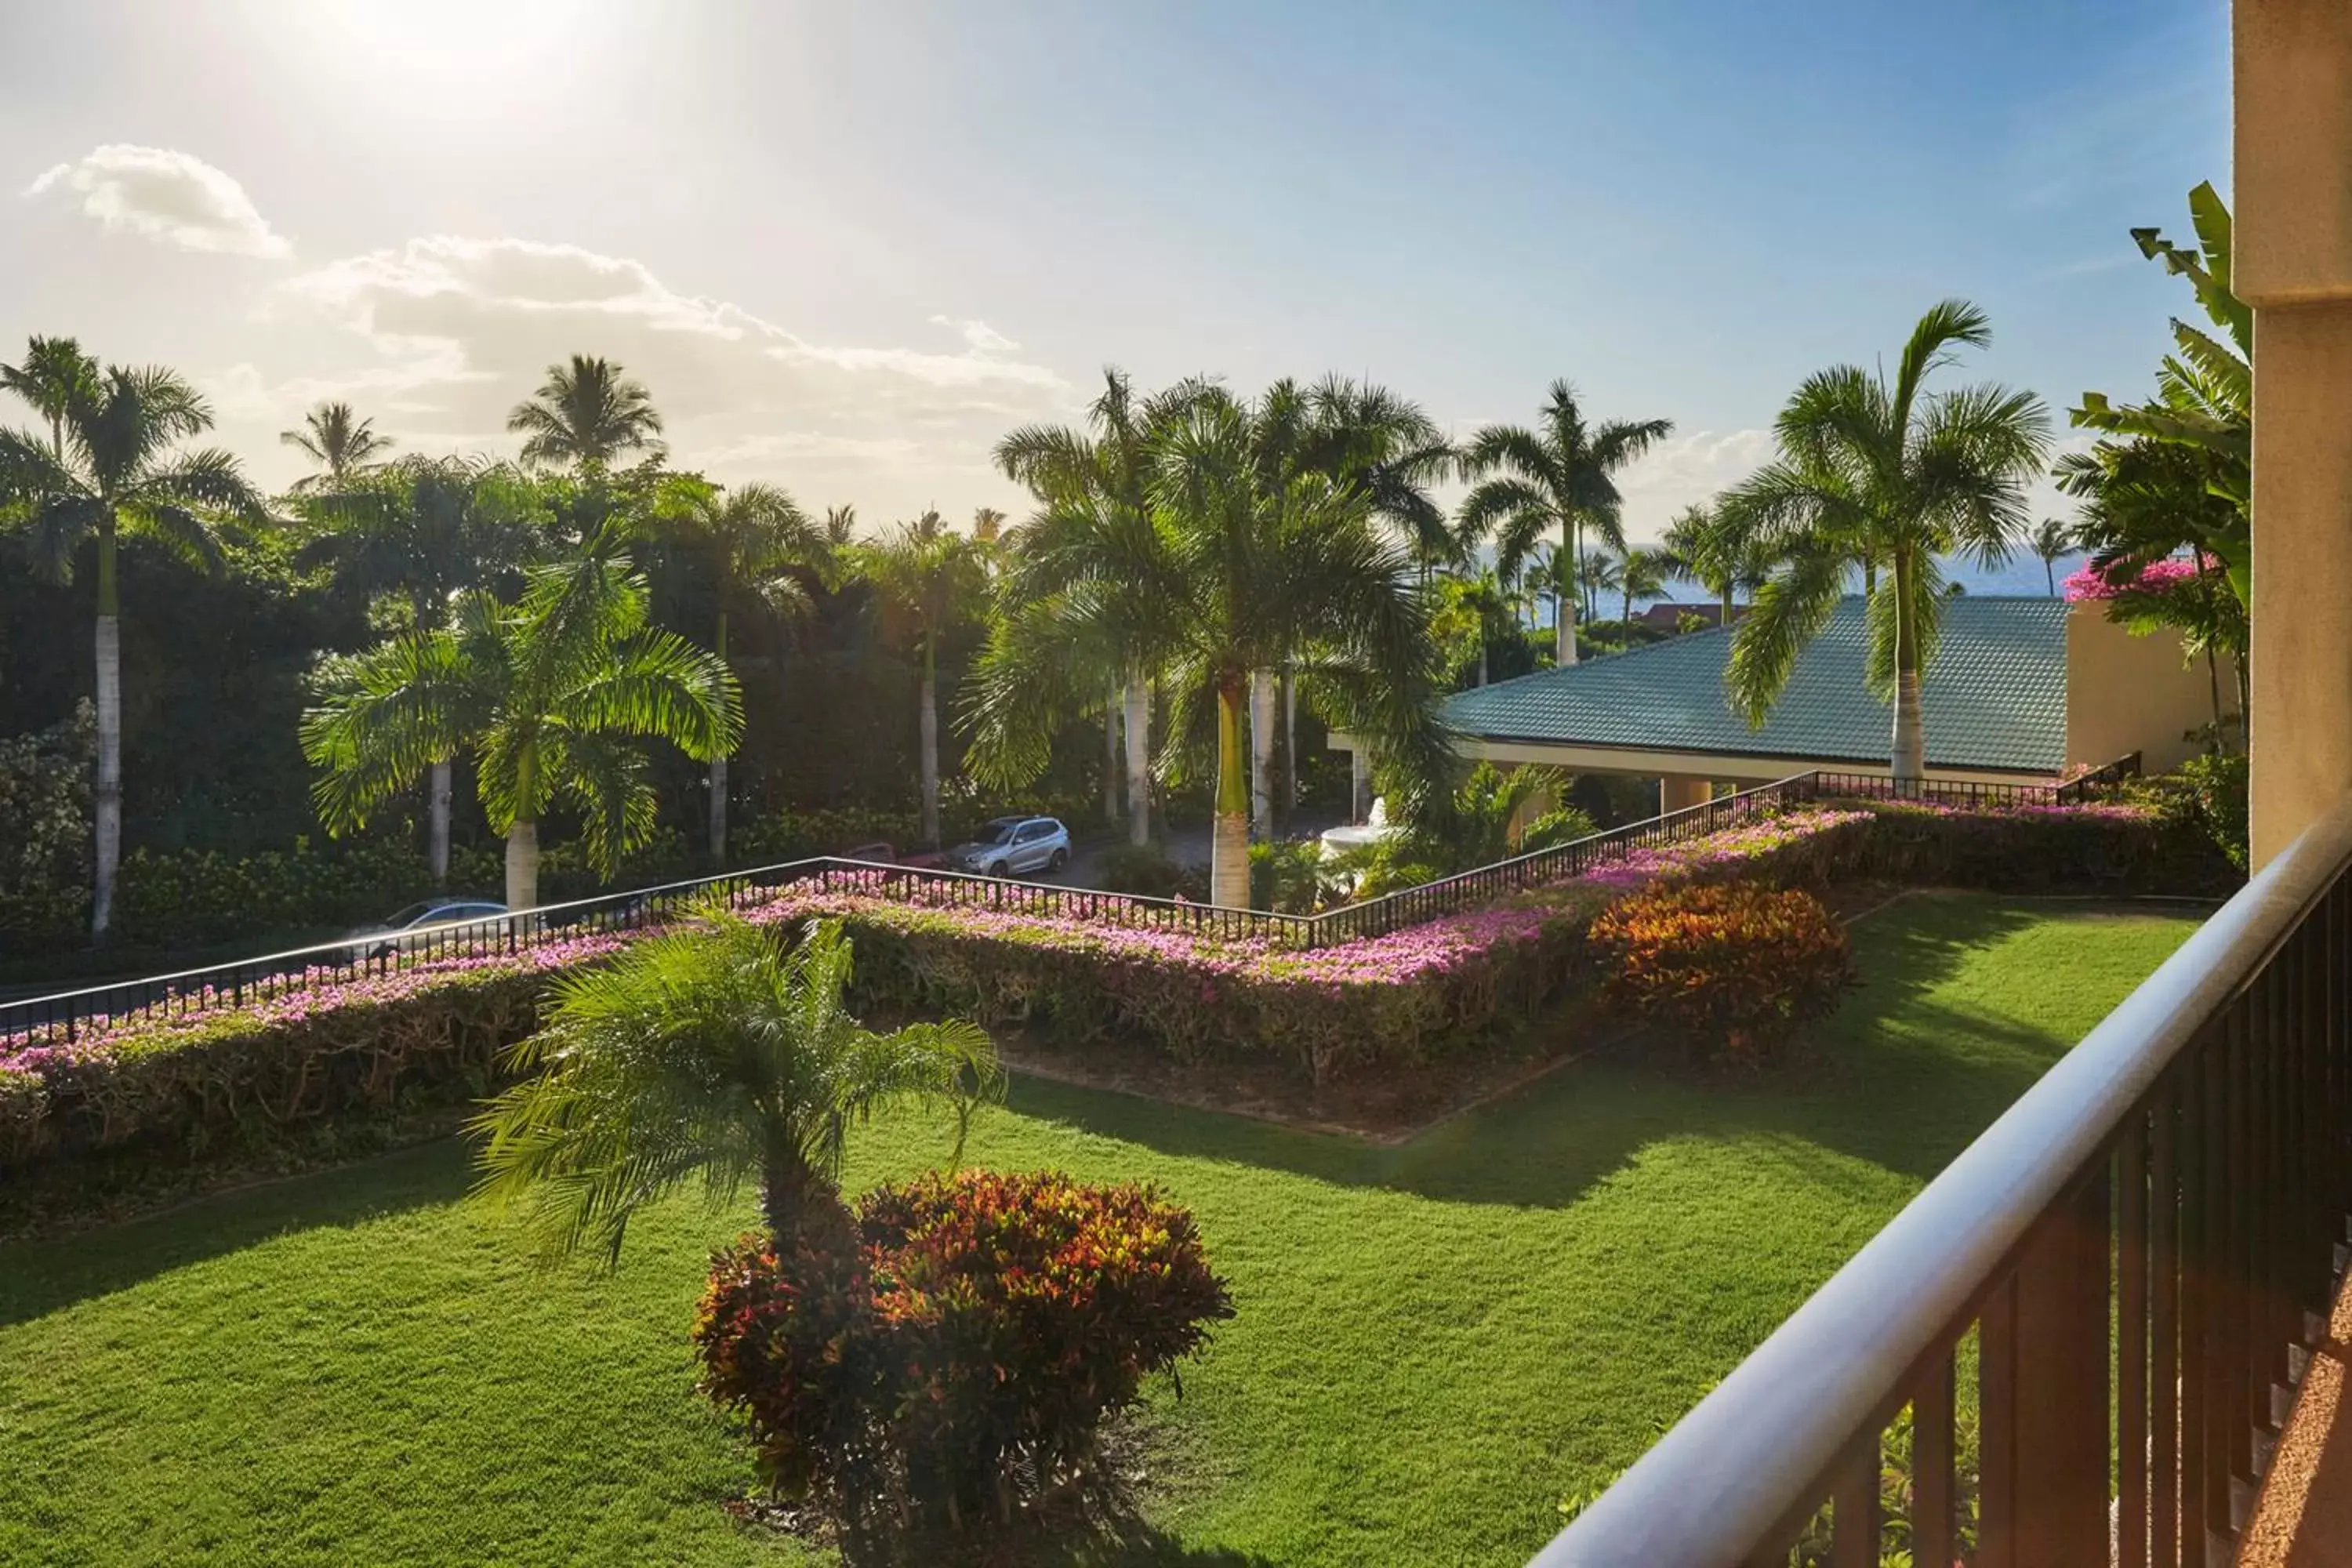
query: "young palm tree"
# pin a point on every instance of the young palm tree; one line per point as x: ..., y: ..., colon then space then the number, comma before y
x: 586, y: 415
x: 1245, y: 563
x: 113, y: 465
x: 55, y: 373
x: 932, y: 578
x: 2051, y: 540
x: 549, y: 694
x: 840, y: 526
x: 716, y: 1052
x: 1554, y: 477
x: 1890, y: 472
x: 757, y: 540
x: 1641, y: 574
x: 424, y: 529
x: 343, y: 445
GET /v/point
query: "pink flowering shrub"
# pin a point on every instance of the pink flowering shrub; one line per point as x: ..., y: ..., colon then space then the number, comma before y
x: 2157, y: 577
x: 192, y: 1080
x: 1441, y: 988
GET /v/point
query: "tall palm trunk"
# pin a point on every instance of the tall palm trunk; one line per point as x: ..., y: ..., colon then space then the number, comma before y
x: 1564, y: 629
x: 929, y: 721
x: 522, y: 866
x: 1110, y: 755
x: 1728, y: 585
x: 718, y: 768
x: 107, y: 812
x: 1910, y: 749
x: 1289, y: 744
x: 437, y: 845
x: 1139, y: 760
x: 437, y: 776
x: 1261, y: 701
x: 1229, y: 846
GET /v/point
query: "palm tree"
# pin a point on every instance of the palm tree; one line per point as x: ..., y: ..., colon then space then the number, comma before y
x: 932, y: 578
x: 1244, y: 561
x: 756, y: 539
x: 113, y: 465
x: 586, y: 415
x: 1641, y: 574
x: 1893, y: 473
x: 423, y: 530
x: 987, y: 523
x: 2051, y: 540
x: 716, y: 1052
x: 840, y: 526
x: 551, y: 695
x: 1555, y: 477
x: 1717, y: 548
x: 343, y: 445
x: 1090, y: 489
x: 55, y: 373
x: 1598, y: 573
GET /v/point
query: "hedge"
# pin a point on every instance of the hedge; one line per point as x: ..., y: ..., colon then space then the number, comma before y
x: 1445, y: 987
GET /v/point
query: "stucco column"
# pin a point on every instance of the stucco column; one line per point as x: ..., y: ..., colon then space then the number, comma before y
x: 2293, y: 262
x: 1677, y: 790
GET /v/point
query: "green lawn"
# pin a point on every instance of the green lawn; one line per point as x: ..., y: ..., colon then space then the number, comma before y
x: 1435, y: 1341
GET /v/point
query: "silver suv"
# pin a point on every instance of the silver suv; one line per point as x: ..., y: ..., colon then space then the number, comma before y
x: 1012, y: 844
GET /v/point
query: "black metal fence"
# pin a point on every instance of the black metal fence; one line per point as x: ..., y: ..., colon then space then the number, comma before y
x: 2140, y: 1254
x: 63, y: 1015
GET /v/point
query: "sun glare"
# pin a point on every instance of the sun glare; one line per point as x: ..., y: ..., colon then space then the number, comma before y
x: 460, y: 39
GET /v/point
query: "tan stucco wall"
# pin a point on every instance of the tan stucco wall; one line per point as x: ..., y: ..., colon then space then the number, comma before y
x: 2292, y: 255
x: 1677, y: 790
x: 2126, y: 694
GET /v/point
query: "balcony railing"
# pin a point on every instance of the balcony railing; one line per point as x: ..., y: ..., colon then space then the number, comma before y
x: 2128, y: 1269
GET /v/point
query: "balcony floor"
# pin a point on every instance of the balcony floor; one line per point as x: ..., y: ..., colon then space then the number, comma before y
x: 2304, y: 1518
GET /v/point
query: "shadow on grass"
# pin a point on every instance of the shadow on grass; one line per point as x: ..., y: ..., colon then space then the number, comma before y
x: 1901, y: 1078
x: 40, y: 1276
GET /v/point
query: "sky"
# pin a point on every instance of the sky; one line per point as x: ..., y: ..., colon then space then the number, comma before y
x: 847, y: 247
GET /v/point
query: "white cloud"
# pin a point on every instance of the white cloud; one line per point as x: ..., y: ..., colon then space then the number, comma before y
x: 444, y: 335
x: 167, y: 196
x: 979, y: 336
x: 1685, y: 470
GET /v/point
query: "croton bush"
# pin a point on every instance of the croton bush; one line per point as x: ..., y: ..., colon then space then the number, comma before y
x: 1735, y: 968
x: 946, y: 1355
x: 1443, y: 987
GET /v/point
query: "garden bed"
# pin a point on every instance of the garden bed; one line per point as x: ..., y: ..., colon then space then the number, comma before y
x: 1417, y: 1019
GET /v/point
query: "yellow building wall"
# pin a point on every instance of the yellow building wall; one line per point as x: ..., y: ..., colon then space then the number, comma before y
x: 2127, y: 693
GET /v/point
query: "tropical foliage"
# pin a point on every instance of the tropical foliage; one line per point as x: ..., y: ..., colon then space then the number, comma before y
x: 945, y: 1366
x: 1248, y: 543
x: 113, y: 463
x: 551, y: 696
x: 1885, y: 473
x: 716, y: 1053
x: 1735, y: 967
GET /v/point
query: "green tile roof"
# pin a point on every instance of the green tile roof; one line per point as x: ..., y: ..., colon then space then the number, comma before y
x: 1995, y: 695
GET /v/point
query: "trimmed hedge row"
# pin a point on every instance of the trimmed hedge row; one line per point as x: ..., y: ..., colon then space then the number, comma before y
x: 1442, y: 988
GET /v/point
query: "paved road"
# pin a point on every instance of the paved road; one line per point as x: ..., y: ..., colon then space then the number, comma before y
x: 1186, y: 846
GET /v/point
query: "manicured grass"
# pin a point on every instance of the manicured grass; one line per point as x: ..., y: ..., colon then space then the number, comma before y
x: 1435, y: 1341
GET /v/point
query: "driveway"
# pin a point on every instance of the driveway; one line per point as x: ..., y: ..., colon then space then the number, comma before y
x: 1186, y: 846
